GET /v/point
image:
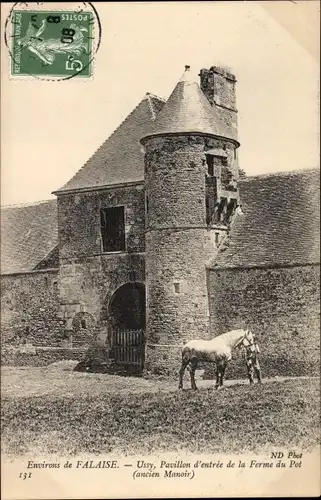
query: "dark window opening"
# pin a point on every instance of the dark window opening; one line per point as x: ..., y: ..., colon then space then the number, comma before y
x: 112, y: 222
x: 210, y: 165
x: 208, y: 214
x: 83, y: 324
x: 227, y: 179
x: 217, y: 238
x: 221, y: 211
x: 231, y: 209
x: 211, y: 205
x: 177, y: 288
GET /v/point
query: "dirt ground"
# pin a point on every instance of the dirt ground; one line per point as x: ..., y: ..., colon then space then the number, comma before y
x: 59, y: 379
x: 57, y: 411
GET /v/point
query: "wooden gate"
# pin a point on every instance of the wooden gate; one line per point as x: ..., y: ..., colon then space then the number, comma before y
x: 128, y: 347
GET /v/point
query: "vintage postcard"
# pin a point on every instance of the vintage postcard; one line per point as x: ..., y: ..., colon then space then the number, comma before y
x: 160, y: 258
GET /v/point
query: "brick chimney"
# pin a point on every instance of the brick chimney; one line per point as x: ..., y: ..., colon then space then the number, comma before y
x: 218, y: 84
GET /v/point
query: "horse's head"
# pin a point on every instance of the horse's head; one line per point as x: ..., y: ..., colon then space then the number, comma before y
x: 248, y: 339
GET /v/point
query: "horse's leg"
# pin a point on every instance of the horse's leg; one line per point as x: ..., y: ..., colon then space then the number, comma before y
x: 217, y: 377
x: 220, y: 370
x: 222, y: 373
x: 257, y: 369
x: 192, y: 372
x: 181, y: 372
x: 250, y: 370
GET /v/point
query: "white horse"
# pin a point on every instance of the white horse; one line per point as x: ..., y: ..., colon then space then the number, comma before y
x: 217, y: 350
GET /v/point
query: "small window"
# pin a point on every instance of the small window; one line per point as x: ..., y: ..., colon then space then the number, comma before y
x: 208, y: 215
x: 231, y: 208
x: 217, y: 238
x: 112, y: 222
x: 83, y: 324
x: 210, y: 165
x: 177, y: 287
x: 221, y: 209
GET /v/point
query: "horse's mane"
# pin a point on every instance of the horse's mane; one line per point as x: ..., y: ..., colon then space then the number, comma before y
x: 229, y: 334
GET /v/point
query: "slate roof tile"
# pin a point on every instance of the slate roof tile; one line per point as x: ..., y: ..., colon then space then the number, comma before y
x: 280, y: 226
x: 281, y: 221
x: 187, y: 110
x: 28, y: 234
x: 120, y: 159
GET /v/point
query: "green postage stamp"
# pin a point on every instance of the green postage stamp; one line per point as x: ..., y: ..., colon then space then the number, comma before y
x: 52, y: 44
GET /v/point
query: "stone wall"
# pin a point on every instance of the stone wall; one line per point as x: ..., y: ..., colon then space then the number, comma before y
x: 219, y: 86
x: 79, y: 220
x: 91, y: 282
x: 88, y: 276
x: 282, y: 307
x: 13, y: 356
x: 177, y: 243
x: 29, y: 308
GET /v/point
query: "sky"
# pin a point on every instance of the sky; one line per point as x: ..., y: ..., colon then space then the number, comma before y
x: 50, y: 129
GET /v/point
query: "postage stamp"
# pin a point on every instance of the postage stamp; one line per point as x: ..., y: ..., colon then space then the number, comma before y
x: 52, y: 43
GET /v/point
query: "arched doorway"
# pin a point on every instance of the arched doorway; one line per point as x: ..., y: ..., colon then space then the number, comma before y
x: 127, y: 313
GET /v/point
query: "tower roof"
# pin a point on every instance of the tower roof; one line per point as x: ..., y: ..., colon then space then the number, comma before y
x: 188, y: 111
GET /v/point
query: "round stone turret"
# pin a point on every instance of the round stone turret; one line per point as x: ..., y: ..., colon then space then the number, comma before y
x: 178, y: 240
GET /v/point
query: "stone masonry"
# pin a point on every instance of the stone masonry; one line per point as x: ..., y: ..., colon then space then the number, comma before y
x: 172, y: 170
x: 88, y: 276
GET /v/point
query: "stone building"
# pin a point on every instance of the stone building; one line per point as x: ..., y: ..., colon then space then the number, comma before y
x: 157, y: 239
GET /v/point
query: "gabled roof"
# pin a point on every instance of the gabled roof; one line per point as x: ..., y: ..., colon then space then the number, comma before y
x: 280, y: 226
x: 281, y: 222
x: 187, y: 110
x: 120, y: 159
x: 29, y: 233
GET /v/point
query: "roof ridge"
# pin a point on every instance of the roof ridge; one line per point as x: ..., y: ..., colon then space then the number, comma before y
x: 151, y: 106
x: 154, y: 96
x: 103, y: 144
x: 27, y: 204
x: 279, y: 174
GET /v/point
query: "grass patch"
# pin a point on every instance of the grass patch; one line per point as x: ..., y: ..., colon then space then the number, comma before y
x: 240, y: 418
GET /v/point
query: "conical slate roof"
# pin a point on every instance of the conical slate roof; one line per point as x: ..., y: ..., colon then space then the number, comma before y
x: 188, y: 111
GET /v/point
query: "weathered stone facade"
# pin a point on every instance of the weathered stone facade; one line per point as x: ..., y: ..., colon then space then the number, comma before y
x: 219, y: 86
x: 178, y: 241
x: 29, y: 308
x: 88, y: 276
x: 280, y: 304
x: 176, y: 189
